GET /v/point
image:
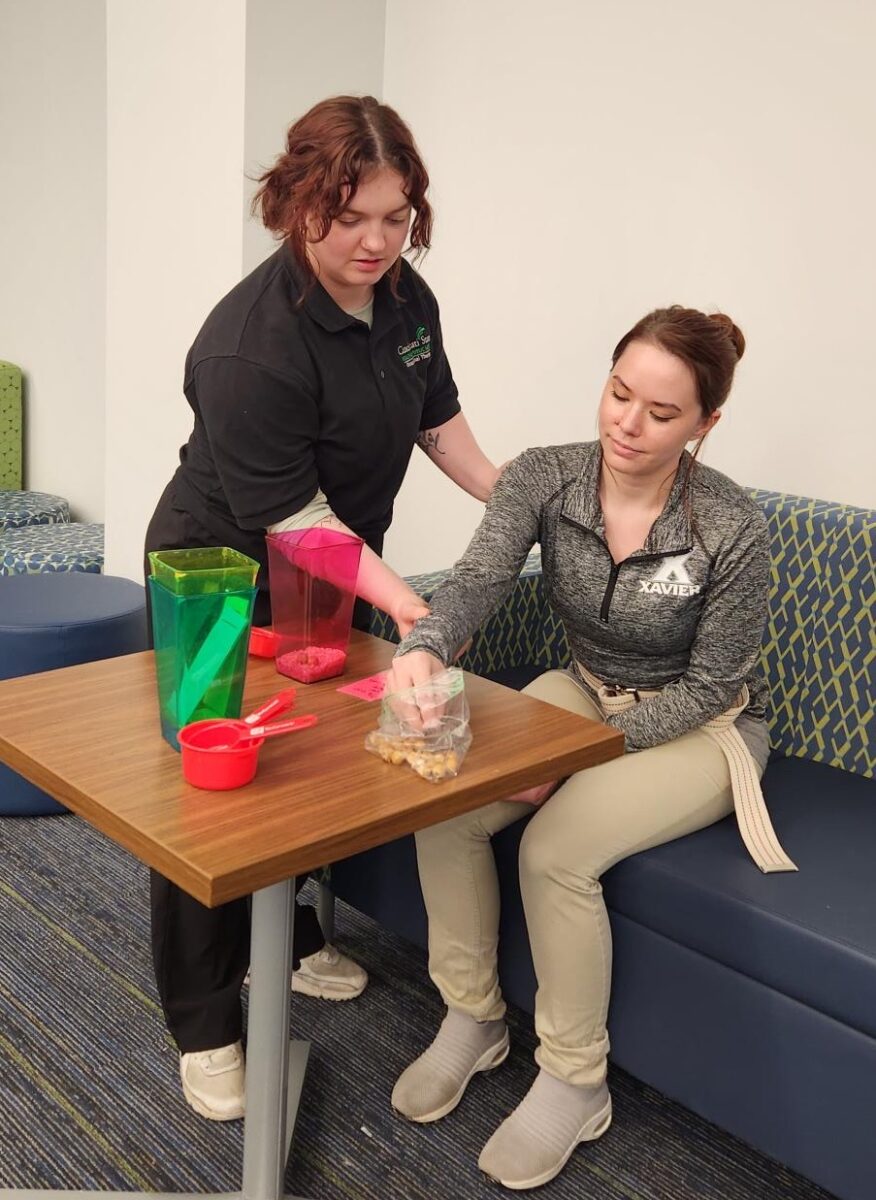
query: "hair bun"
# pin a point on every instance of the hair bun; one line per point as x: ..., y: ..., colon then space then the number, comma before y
x: 733, y: 332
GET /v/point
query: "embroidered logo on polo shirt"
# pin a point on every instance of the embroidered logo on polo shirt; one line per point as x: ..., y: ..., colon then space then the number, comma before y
x: 671, y: 578
x: 419, y: 350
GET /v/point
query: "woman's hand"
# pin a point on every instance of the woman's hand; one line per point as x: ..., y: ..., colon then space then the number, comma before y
x: 407, y: 611
x: 412, y: 670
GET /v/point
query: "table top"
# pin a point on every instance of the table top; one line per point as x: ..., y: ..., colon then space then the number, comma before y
x: 89, y: 736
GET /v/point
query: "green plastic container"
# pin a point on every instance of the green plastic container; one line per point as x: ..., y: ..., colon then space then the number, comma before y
x: 205, y: 570
x: 201, y: 645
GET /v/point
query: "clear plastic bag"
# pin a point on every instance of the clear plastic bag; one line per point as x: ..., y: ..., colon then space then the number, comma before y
x: 425, y: 727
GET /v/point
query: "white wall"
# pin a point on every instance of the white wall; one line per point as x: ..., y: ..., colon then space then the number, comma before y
x: 589, y: 161
x: 592, y: 161
x: 52, y: 254
x: 175, y: 98
x: 199, y: 97
x: 296, y: 54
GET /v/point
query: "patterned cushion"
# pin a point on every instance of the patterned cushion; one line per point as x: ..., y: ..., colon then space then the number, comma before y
x: 10, y: 426
x: 18, y: 509
x: 36, y: 549
x: 819, y: 647
x: 818, y: 652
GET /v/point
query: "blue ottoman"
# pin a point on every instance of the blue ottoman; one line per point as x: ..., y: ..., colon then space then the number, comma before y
x: 50, y: 621
x: 44, y: 548
x: 32, y: 508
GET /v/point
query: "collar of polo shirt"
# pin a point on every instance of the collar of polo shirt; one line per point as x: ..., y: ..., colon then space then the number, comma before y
x: 319, y: 303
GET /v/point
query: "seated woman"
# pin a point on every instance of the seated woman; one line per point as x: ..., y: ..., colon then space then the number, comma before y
x: 659, y: 569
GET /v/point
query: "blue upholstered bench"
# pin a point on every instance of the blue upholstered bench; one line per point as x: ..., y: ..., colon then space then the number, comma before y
x: 749, y: 998
x: 58, y: 620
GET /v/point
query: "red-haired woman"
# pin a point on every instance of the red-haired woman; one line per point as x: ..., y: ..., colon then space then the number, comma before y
x: 310, y: 384
x: 659, y: 570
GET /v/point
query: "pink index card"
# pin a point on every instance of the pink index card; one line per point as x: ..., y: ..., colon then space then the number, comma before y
x: 366, y: 689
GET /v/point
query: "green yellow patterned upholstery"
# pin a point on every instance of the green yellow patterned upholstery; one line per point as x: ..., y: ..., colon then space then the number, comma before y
x: 818, y: 650
x: 10, y: 426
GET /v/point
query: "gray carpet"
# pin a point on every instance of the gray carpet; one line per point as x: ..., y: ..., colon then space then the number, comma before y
x: 90, y: 1092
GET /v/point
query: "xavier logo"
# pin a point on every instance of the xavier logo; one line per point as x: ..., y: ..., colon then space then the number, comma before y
x: 419, y: 350
x: 671, y: 578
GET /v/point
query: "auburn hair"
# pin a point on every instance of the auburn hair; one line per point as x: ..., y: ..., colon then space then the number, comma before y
x: 709, y: 345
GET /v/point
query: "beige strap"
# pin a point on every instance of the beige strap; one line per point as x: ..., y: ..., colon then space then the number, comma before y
x: 751, y: 811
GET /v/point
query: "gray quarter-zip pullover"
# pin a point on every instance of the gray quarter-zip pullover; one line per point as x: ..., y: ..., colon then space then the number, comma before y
x: 686, y: 613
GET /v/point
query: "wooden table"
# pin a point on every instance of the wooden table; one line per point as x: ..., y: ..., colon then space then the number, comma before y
x: 89, y: 736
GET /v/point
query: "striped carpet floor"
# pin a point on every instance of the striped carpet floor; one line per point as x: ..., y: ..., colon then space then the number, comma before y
x: 90, y: 1094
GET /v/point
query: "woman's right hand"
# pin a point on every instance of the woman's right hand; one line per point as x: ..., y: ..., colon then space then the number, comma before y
x: 411, y: 670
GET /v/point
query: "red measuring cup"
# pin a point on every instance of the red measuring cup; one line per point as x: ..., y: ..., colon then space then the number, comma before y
x: 222, y: 753
x: 262, y: 642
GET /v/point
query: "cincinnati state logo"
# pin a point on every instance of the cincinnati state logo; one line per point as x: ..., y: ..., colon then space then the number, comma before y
x: 419, y: 350
x: 671, y: 579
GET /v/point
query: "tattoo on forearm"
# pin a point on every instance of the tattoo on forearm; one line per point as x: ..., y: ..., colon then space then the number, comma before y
x: 427, y: 439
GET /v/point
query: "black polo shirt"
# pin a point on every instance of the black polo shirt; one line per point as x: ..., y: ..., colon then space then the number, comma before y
x: 289, y: 398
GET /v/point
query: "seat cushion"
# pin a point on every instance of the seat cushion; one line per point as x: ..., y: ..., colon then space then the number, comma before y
x: 810, y: 934
x: 50, y: 549
x: 22, y: 509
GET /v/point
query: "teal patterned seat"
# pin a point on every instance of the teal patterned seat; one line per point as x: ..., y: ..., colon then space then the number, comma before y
x: 21, y: 509
x: 36, y: 549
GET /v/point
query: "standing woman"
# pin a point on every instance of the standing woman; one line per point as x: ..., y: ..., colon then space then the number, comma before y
x: 310, y: 384
x: 659, y: 570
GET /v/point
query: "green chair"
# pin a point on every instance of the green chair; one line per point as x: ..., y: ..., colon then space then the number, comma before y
x: 10, y: 426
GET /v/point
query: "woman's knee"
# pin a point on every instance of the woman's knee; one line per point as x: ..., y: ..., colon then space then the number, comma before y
x: 476, y: 826
x: 549, y: 851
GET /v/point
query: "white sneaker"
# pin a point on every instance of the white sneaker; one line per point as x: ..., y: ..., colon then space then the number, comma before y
x: 329, y: 975
x: 214, y: 1082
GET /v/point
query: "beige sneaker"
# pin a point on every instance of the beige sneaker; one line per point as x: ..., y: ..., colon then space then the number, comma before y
x: 214, y: 1082
x: 329, y: 975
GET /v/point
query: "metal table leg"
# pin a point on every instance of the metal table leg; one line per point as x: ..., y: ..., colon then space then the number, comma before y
x: 273, y: 1090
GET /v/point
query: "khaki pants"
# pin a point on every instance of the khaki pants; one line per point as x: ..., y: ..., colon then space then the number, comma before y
x: 597, y: 818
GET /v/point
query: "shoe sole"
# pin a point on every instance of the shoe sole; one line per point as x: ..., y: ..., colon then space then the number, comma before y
x: 304, y: 987
x: 210, y: 1114
x: 488, y: 1061
x: 590, y: 1131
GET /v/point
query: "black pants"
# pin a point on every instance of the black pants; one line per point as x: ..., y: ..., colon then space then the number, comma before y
x: 201, y: 954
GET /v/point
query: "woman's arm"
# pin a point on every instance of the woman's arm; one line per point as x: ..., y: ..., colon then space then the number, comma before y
x: 377, y: 583
x: 453, y: 449
x: 481, y: 579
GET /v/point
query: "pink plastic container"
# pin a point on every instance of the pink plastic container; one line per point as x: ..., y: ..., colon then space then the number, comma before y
x: 313, y: 576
